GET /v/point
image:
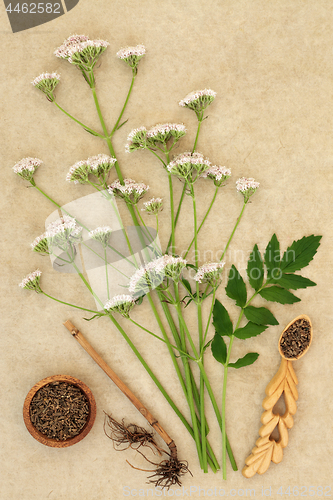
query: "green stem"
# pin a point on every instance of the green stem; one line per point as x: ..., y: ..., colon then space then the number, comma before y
x: 209, y: 317
x: 124, y: 107
x: 203, y: 221
x: 80, y: 123
x: 107, y: 274
x: 69, y: 304
x: 200, y: 119
x: 233, y: 231
x: 153, y: 377
x: 173, y: 238
x: 210, y: 392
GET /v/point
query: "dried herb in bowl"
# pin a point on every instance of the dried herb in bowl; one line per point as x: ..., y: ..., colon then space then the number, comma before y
x: 59, y: 410
x: 295, y: 339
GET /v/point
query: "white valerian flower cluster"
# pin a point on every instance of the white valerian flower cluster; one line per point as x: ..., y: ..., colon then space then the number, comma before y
x: 81, y: 51
x: 141, y: 138
x: 137, y: 139
x: 189, y: 166
x: 210, y: 273
x: 130, y: 191
x: 132, y: 55
x: 152, y: 274
x: 218, y: 174
x: 247, y: 186
x: 121, y: 304
x: 98, y: 166
x: 153, y: 206
x: 47, y: 82
x: 26, y: 168
x: 101, y: 234
x: 61, y: 233
x: 31, y: 281
x: 163, y: 132
x: 198, y: 100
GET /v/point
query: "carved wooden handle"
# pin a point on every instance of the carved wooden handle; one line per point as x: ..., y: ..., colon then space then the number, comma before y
x: 267, y: 449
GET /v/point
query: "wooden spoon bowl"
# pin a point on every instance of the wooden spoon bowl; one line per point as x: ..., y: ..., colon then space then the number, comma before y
x: 305, y: 350
x: 42, y: 438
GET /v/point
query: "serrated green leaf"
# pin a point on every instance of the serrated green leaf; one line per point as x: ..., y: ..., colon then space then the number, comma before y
x: 272, y: 255
x: 247, y: 360
x: 236, y: 288
x: 278, y: 294
x: 293, y: 281
x: 300, y: 253
x: 260, y: 315
x: 221, y: 320
x: 219, y: 349
x: 249, y: 330
x: 255, y: 269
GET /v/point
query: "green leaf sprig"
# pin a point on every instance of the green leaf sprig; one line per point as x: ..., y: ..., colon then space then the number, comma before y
x: 271, y: 277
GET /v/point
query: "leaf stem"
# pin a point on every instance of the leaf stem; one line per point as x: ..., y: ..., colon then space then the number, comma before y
x: 233, y: 231
x: 88, y: 129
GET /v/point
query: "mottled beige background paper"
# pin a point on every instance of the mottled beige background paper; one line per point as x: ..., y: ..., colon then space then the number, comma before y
x: 270, y: 63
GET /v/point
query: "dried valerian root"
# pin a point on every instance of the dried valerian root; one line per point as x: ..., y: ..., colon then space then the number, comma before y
x: 128, y: 436
x: 167, y: 473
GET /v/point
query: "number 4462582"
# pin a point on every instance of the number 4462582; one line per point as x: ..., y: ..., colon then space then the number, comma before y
x: 305, y: 491
x: 35, y: 8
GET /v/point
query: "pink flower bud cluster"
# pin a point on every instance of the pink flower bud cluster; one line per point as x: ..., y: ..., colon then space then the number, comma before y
x: 247, y: 186
x: 187, y: 164
x: 218, y: 174
x: 198, y: 100
x: 81, y: 51
x: 63, y: 232
x: 97, y: 165
x: 130, y: 191
x: 26, y: 168
x: 121, y: 304
x: 31, y: 281
x: 210, y: 273
x: 153, y: 273
x: 153, y: 206
x: 132, y: 55
x: 47, y: 77
x: 101, y: 234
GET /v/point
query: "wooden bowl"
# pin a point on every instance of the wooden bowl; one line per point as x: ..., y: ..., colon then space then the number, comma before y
x: 302, y: 316
x: 50, y: 441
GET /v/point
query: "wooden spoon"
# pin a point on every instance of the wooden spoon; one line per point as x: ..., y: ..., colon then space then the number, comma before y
x: 267, y: 449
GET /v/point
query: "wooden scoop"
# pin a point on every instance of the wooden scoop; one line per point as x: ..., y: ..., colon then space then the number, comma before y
x: 284, y: 382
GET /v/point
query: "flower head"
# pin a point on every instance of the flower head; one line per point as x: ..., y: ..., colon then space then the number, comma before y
x: 121, y: 304
x: 101, y: 164
x: 162, y: 133
x: 247, y: 186
x: 98, y: 166
x: 130, y: 191
x: 137, y: 139
x: 41, y: 244
x: 63, y: 232
x: 31, y: 281
x: 210, y: 273
x: 218, y: 174
x: 153, y: 206
x: 81, y: 51
x: 132, y: 55
x: 198, y: 100
x: 78, y: 173
x: 47, y: 82
x: 188, y: 166
x: 27, y: 167
x: 101, y: 234
x: 152, y: 274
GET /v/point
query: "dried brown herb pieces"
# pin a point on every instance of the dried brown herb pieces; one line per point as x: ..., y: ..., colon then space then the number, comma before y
x: 296, y: 339
x: 59, y: 410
